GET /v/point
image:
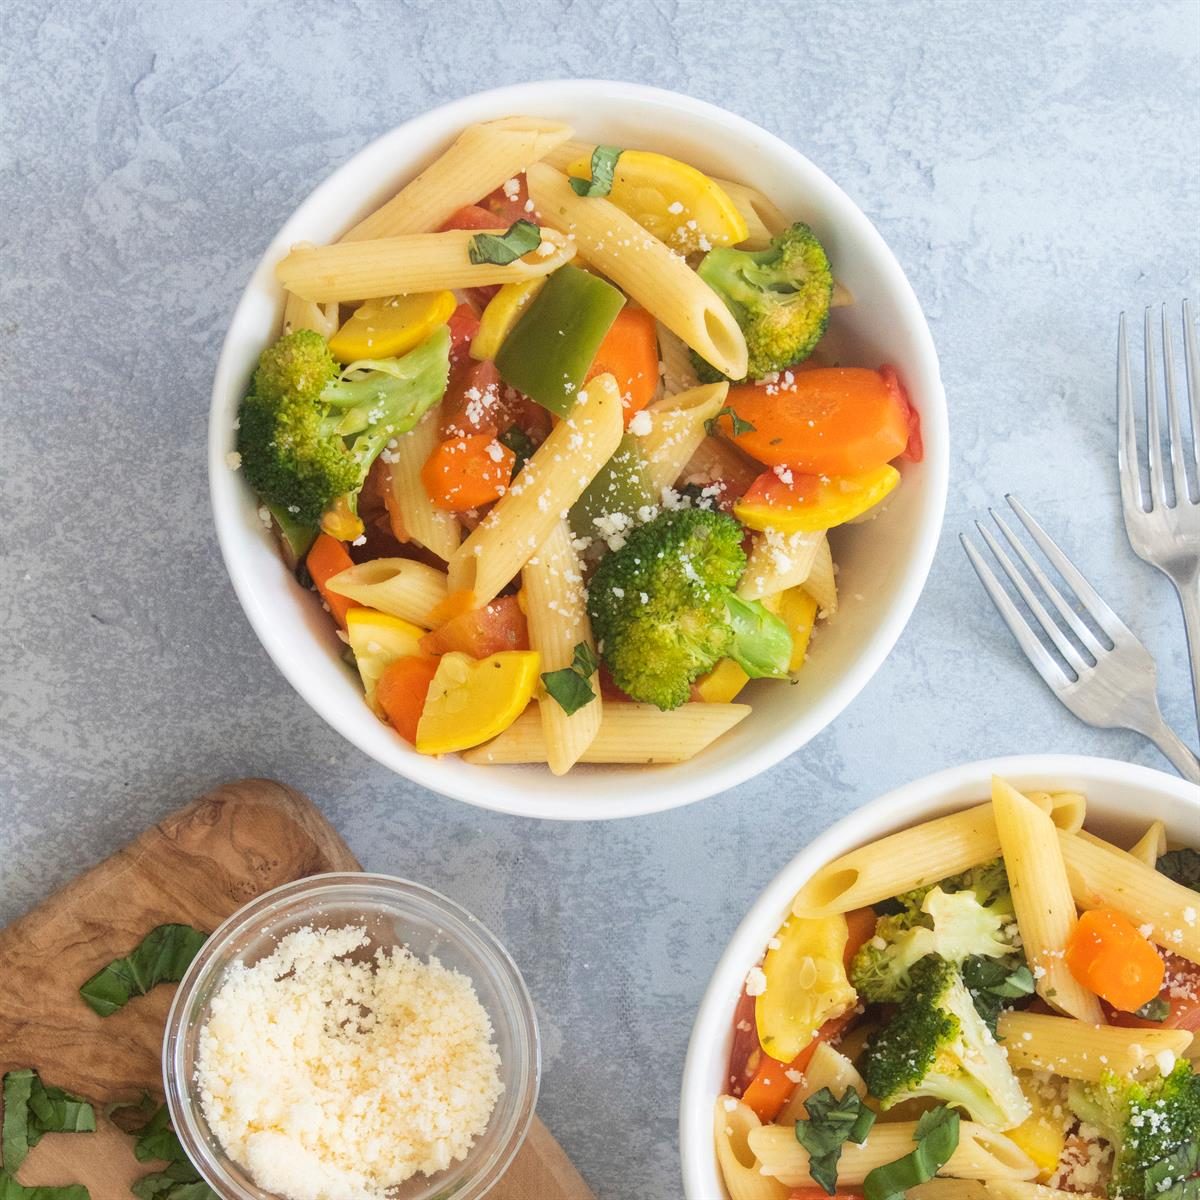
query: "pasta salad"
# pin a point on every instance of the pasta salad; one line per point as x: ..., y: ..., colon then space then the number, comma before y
x: 994, y: 1003
x: 552, y: 435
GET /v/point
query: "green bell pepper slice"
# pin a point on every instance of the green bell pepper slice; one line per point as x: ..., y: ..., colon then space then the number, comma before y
x: 618, y: 487
x: 553, y: 343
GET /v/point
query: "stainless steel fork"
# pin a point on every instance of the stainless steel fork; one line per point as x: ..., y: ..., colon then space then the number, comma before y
x: 1109, y: 686
x: 1164, y: 524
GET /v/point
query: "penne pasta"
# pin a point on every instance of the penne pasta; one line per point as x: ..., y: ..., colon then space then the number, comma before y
x: 828, y: 1068
x: 556, y: 610
x: 629, y: 733
x: 1017, y: 1189
x: 304, y: 314
x: 477, y: 162
x: 763, y: 219
x: 1070, y: 808
x: 1102, y: 876
x: 678, y: 370
x: 1078, y: 1050
x: 1042, y: 899
x: 552, y: 480
x: 414, y: 516
x: 821, y: 583
x: 981, y: 1153
x: 716, y: 459
x: 401, y: 587
x: 677, y: 427
x: 643, y: 267
x: 778, y: 561
x: 949, y: 1189
x: 740, y: 1170
x: 1152, y: 845
x: 415, y: 262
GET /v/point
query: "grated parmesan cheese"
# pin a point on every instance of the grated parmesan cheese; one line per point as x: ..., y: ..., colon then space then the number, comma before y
x: 332, y: 1079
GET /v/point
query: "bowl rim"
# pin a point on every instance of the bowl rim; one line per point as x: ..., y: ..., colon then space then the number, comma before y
x: 895, y: 809
x: 482, y: 944
x: 492, y: 790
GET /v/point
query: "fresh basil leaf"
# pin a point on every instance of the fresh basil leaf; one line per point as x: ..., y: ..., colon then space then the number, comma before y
x: 132, y: 1116
x: 936, y: 1137
x: 157, y: 1140
x: 584, y: 660
x: 831, y: 1123
x: 1175, y: 1176
x: 762, y: 643
x: 604, y: 166
x: 162, y: 956
x: 10, y: 1189
x: 32, y: 1109
x: 1158, y: 1009
x: 164, y: 1185
x: 572, y: 686
x: 179, y: 1180
x: 993, y: 981
x: 1183, y: 866
x: 500, y: 249
x: 521, y: 444
x: 739, y: 426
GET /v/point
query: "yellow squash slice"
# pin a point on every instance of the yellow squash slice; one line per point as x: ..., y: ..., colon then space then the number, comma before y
x: 471, y: 700
x: 391, y: 326
x: 377, y: 640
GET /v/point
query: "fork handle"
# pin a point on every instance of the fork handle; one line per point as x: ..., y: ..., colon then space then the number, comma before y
x: 1189, y: 600
x: 1174, y: 749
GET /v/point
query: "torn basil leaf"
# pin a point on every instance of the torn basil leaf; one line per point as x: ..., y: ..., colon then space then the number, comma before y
x: 131, y: 1116
x: 32, y: 1109
x: 500, y: 249
x: 830, y: 1124
x: 739, y: 426
x: 604, y: 166
x: 936, y: 1136
x: 571, y: 686
x: 163, y: 956
x: 1158, y: 1009
x: 157, y: 1141
x: 521, y: 444
x: 10, y: 1189
x: 179, y: 1180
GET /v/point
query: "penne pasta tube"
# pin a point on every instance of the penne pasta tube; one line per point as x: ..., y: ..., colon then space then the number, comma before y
x: 401, y: 587
x: 1152, y: 845
x: 1103, y: 876
x: 414, y: 262
x: 413, y: 515
x: 821, y: 583
x: 949, y: 1189
x: 478, y: 161
x: 763, y: 219
x: 915, y: 857
x: 677, y: 427
x: 678, y: 370
x: 981, y: 1154
x: 732, y: 1123
x: 1070, y: 808
x: 628, y: 733
x: 556, y: 609
x: 1042, y: 900
x: 828, y: 1068
x: 1077, y: 1050
x: 1017, y: 1189
x: 550, y: 482
x: 778, y: 561
x: 716, y: 459
x: 644, y: 268
x: 304, y: 314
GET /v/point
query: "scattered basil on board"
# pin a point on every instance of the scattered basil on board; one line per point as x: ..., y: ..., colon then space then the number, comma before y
x: 162, y: 956
x: 830, y: 1124
x: 604, y: 165
x: 31, y: 1108
x: 156, y: 1141
x: 10, y: 1189
x: 571, y: 686
x: 500, y: 249
x: 936, y: 1136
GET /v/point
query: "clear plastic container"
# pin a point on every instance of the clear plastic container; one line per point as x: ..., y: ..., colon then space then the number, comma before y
x: 393, y: 912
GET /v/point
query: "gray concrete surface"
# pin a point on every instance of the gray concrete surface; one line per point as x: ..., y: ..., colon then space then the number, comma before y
x: 1033, y: 165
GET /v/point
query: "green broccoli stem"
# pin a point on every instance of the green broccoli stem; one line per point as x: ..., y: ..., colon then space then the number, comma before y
x: 762, y: 643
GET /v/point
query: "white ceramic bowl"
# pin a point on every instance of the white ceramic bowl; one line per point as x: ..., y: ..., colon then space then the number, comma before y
x: 882, y: 564
x: 1122, y: 800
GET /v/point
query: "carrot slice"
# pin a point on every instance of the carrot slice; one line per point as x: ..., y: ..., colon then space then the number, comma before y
x: 773, y: 1082
x: 467, y: 472
x: 401, y: 692
x: 327, y: 558
x: 1110, y: 957
x: 629, y: 352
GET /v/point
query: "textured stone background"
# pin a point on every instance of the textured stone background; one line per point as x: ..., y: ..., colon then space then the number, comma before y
x: 1034, y: 167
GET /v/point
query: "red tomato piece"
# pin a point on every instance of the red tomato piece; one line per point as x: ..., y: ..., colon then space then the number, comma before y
x: 463, y: 325
x: 474, y: 399
x: 482, y: 631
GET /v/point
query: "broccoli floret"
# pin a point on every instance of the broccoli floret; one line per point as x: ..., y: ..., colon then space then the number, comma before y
x: 658, y: 604
x: 308, y: 435
x: 938, y: 1045
x: 966, y: 916
x: 1146, y: 1121
x: 779, y: 296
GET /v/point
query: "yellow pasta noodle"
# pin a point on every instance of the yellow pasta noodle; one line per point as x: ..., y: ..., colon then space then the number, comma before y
x: 1102, y: 876
x: 778, y: 561
x: 644, y: 268
x: 1077, y: 1050
x: 1070, y: 808
x: 479, y: 160
x: 423, y: 522
x: 629, y: 733
x: 304, y: 314
x: 399, y: 586
x: 550, y: 482
x: 678, y: 370
x: 1042, y: 900
x: 732, y: 1123
x: 821, y: 583
x: 414, y: 262
x: 1015, y: 1189
x: 677, y: 427
x: 1152, y: 845
x: 828, y: 1068
x: 556, y: 609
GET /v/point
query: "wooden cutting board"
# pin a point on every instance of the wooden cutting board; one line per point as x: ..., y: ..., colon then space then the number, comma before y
x: 195, y: 867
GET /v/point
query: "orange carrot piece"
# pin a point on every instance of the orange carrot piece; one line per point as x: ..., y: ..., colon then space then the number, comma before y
x: 629, y: 352
x: 860, y: 923
x: 468, y: 472
x: 1109, y: 957
x: 771, y: 1086
x: 401, y: 692
x: 329, y: 557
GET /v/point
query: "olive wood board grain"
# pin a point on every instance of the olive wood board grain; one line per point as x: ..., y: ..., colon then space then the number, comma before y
x: 195, y: 867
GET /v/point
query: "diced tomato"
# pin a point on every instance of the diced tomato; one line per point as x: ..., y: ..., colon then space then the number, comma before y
x: 745, y: 1051
x: 509, y: 208
x: 1181, y: 990
x: 473, y: 400
x: 482, y: 631
x: 772, y: 492
x: 463, y: 325
x: 915, y: 450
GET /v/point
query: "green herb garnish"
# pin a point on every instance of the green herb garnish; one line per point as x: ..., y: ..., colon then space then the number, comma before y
x: 572, y: 686
x: 10, y: 1189
x: 500, y: 249
x: 521, y: 444
x: 936, y: 1136
x: 1158, y: 1009
x: 739, y: 426
x: 830, y: 1123
x: 1183, y: 866
x: 32, y: 1109
x: 156, y: 1141
x: 162, y: 956
x: 604, y: 165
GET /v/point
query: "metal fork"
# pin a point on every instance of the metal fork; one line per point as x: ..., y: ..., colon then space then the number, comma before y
x: 1164, y: 526
x: 1109, y: 686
